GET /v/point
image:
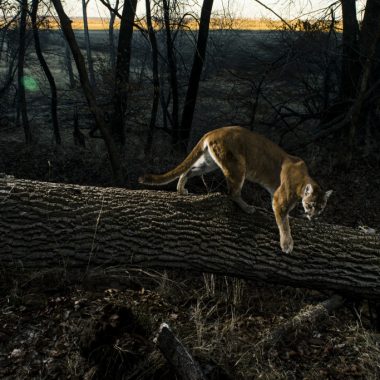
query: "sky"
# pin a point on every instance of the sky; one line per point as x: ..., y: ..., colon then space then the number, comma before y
x: 287, y: 9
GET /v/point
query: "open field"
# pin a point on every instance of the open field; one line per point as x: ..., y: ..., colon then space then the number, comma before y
x: 96, y: 23
x: 219, y: 23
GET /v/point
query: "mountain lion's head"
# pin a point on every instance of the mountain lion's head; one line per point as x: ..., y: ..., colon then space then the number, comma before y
x: 314, y: 200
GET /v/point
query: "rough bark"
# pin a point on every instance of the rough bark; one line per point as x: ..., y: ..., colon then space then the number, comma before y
x: 177, y: 355
x: 43, y: 225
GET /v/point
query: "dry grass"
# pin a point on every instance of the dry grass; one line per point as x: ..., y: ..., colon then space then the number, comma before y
x: 220, y: 320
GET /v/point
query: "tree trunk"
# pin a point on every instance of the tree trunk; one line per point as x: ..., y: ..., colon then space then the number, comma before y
x: 43, y: 225
x: 156, y: 81
x: 20, y: 72
x: 196, y: 71
x: 111, y: 36
x: 49, y: 76
x: 88, y: 44
x: 3, y: 32
x: 172, y: 71
x: 89, y: 94
x: 124, y: 50
x: 69, y: 66
x: 369, y: 32
x: 370, y: 60
x: 350, y: 51
x: 369, y: 41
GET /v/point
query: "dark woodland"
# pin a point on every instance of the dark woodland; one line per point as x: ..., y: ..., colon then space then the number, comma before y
x: 103, y: 277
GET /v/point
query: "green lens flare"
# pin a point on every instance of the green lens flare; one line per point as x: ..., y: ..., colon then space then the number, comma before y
x: 29, y: 83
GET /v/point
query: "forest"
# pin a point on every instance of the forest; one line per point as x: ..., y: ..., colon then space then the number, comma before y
x: 108, y: 272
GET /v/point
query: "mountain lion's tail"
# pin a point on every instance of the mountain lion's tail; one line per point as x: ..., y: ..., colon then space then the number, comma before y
x: 183, y: 167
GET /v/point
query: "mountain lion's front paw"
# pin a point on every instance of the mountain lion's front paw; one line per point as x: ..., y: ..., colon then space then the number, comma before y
x: 287, y: 244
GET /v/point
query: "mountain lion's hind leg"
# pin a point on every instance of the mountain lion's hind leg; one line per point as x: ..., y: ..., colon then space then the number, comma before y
x: 205, y: 164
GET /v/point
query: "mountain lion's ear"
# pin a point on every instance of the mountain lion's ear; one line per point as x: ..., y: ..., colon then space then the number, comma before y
x: 308, y: 189
x: 328, y: 193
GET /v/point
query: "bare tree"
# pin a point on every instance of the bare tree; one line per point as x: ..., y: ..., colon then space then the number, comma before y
x: 3, y: 34
x: 196, y: 71
x: 20, y: 71
x: 350, y: 50
x: 88, y: 43
x: 111, y: 34
x: 124, y: 51
x: 69, y: 66
x: 45, y: 67
x: 369, y: 43
x: 172, y: 70
x: 8, y: 47
x: 156, y: 80
x: 89, y: 94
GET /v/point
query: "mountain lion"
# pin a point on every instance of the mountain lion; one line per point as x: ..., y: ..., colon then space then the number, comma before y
x: 242, y: 154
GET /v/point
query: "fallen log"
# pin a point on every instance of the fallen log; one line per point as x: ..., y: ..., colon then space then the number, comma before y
x: 45, y: 225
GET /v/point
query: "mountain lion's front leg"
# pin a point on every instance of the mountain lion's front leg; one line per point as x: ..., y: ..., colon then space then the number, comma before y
x: 281, y: 210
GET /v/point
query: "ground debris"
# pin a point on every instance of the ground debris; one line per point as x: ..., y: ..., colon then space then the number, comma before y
x: 80, y: 333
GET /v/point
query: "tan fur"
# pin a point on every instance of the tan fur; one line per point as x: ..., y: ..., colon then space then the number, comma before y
x: 245, y: 155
